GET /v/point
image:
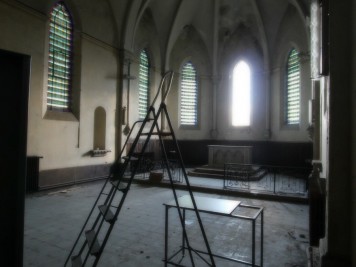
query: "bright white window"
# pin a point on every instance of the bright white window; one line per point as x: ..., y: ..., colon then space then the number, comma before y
x: 241, y: 94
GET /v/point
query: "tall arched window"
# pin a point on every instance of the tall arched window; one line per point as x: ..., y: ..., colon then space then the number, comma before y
x: 189, y: 96
x: 144, y: 79
x: 292, y: 92
x: 241, y: 94
x: 60, y: 59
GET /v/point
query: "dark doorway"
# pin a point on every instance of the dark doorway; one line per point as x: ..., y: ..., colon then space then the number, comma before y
x: 14, y: 87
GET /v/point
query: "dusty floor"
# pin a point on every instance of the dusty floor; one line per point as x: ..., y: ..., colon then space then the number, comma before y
x: 54, y: 218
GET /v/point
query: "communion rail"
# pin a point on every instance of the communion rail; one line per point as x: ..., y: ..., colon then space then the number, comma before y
x: 267, y: 179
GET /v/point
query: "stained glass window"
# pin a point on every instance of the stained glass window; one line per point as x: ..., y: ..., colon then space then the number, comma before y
x: 143, y: 93
x: 292, y: 95
x: 60, y: 59
x: 189, y: 96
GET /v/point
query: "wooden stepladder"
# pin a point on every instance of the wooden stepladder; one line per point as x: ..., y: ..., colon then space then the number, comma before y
x: 92, y: 238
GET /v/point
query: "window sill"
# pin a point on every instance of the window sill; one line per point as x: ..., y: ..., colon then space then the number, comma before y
x: 189, y: 127
x: 99, y: 152
x: 59, y: 116
x: 242, y: 129
x: 291, y: 127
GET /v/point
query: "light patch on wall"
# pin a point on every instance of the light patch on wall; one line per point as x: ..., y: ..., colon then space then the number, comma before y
x: 241, y: 94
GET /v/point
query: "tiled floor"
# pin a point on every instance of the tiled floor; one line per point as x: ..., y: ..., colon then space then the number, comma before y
x: 54, y: 218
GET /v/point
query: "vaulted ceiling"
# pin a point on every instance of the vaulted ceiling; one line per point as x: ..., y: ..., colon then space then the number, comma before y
x: 117, y: 22
x: 208, y: 17
x: 214, y: 20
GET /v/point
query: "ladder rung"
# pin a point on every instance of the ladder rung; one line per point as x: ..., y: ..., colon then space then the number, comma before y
x: 109, y: 215
x: 122, y: 186
x: 159, y: 133
x: 76, y: 261
x: 130, y: 158
x: 90, y: 235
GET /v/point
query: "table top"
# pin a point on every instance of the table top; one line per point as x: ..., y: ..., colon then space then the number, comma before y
x: 207, y: 204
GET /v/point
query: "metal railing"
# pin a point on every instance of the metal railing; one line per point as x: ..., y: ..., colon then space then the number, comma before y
x: 149, y: 164
x: 268, y: 179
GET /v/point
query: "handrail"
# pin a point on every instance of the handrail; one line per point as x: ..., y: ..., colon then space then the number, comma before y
x: 171, y: 73
x: 127, y: 139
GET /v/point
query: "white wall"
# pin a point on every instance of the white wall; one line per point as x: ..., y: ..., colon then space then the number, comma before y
x: 190, y: 47
x: 64, y: 142
x: 285, y: 41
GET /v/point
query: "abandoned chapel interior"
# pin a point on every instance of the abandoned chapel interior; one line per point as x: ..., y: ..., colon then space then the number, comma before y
x: 239, y: 103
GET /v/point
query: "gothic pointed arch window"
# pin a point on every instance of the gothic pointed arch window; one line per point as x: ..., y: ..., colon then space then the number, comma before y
x: 144, y: 81
x: 189, y: 96
x: 292, y: 89
x: 241, y: 94
x: 60, y: 59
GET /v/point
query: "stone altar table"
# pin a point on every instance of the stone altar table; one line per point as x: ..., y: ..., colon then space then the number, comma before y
x: 221, y: 154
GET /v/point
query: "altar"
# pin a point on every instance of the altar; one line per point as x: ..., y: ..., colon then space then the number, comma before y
x: 221, y: 154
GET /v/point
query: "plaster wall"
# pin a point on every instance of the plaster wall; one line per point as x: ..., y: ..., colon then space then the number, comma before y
x: 68, y: 138
x: 190, y: 47
x: 242, y: 46
x: 83, y: 12
x: 286, y: 40
x: 26, y: 35
x: 146, y: 37
x: 64, y: 141
x: 68, y: 143
x: 98, y: 89
x: 241, y: 41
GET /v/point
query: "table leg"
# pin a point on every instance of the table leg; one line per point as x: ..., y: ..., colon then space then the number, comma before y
x: 261, y: 239
x: 166, y: 238
x: 253, y: 241
x: 183, y: 237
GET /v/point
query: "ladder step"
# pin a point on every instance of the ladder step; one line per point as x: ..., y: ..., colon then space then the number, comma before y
x: 130, y: 159
x: 77, y: 261
x: 90, y: 235
x: 109, y: 215
x: 159, y: 133
x: 122, y: 186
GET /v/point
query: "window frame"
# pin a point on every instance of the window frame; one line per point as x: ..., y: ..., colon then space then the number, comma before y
x: 68, y: 51
x: 286, y: 89
x: 240, y: 60
x: 195, y: 126
x: 148, y: 82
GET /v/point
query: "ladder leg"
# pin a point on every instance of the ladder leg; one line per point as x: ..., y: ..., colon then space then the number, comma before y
x: 163, y: 106
x: 174, y: 190
x: 103, y: 213
x: 85, y: 224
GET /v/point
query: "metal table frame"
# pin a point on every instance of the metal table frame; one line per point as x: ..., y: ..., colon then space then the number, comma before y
x: 202, y: 206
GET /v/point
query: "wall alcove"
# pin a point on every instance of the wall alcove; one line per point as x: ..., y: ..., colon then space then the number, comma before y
x: 99, y: 148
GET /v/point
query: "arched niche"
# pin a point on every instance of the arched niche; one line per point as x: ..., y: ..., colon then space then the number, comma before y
x: 99, y: 128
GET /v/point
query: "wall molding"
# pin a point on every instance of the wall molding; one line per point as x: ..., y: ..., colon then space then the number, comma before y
x: 72, y: 175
